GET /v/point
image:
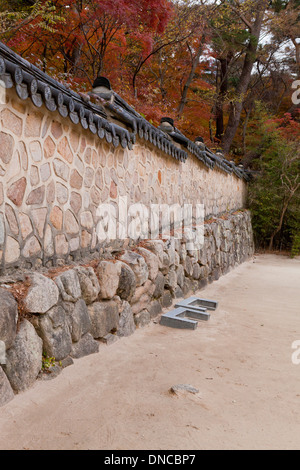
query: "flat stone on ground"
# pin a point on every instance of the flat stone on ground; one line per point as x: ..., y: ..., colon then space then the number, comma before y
x: 182, y: 388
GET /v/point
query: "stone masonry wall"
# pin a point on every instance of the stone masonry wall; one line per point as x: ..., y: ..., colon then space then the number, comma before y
x: 54, y: 175
x: 65, y: 313
x: 62, y: 291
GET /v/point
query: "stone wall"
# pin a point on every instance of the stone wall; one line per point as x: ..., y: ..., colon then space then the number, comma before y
x: 54, y: 175
x: 62, y: 290
x: 65, y: 313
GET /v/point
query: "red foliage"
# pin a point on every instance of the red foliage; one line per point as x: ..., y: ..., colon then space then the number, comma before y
x: 83, y: 39
x: 91, y: 25
x: 288, y: 127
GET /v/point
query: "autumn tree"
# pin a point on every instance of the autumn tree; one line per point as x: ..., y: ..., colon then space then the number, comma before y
x: 229, y: 41
x: 16, y: 16
x: 185, y: 25
x: 201, y: 15
x: 285, y: 32
x: 275, y: 191
x: 80, y: 46
x: 285, y: 26
x: 252, y: 14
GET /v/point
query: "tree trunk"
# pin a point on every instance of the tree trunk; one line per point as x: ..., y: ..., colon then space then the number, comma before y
x: 297, y: 50
x: 44, y: 58
x: 223, y: 89
x: 284, y: 209
x: 211, y: 135
x: 195, y: 63
x: 283, y: 212
x: 242, y: 88
x: 245, y: 127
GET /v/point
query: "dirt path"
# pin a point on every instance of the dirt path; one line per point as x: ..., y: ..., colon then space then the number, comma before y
x: 241, y: 361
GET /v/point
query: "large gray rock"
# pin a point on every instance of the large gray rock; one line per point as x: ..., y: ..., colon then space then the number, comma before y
x: 148, y: 288
x: 142, y: 304
x: 89, y: 284
x: 187, y: 286
x: 54, y: 330
x: 143, y: 296
x: 8, y: 318
x: 157, y: 247
x: 86, y: 346
x: 104, y: 317
x: 194, y: 253
x: 78, y: 319
x: 165, y: 265
x: 171, y: 280
x: 176, y: 259
x: 138, y: 266
x: 6, y: 392
x: 159, y: 286
x: 227, y: 224
x: 216, y: 232
x: 202, y: 284
x: 24, y: 358
x: 204, y: 272
x: 42, y: 295
x: 166, y: 300
x: 229, y: 235
x: 180, y: 276
x: 177, y: 244
x: 225, y: 245
x: 178, y: 293
x: 182, y: 253
x: 109, y: 277
x: 127, y: 283
x: 126, y: 321
x: 169, y: 248
x: 152, y: 262
x: 188, y: 266
x: 69, y: 286
x: 2, y: 352
x: 196, y: 271
x: 142, y: 319
x: 154, y: 309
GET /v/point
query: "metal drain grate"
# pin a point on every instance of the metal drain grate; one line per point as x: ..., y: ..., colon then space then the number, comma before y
x: 196, y: 303
x: 188, y: 312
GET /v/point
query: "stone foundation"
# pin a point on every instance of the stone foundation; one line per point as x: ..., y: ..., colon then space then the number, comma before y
x: 63, y: 314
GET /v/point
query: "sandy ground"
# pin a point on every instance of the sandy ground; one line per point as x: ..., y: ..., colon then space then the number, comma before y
x: 241, y: 361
